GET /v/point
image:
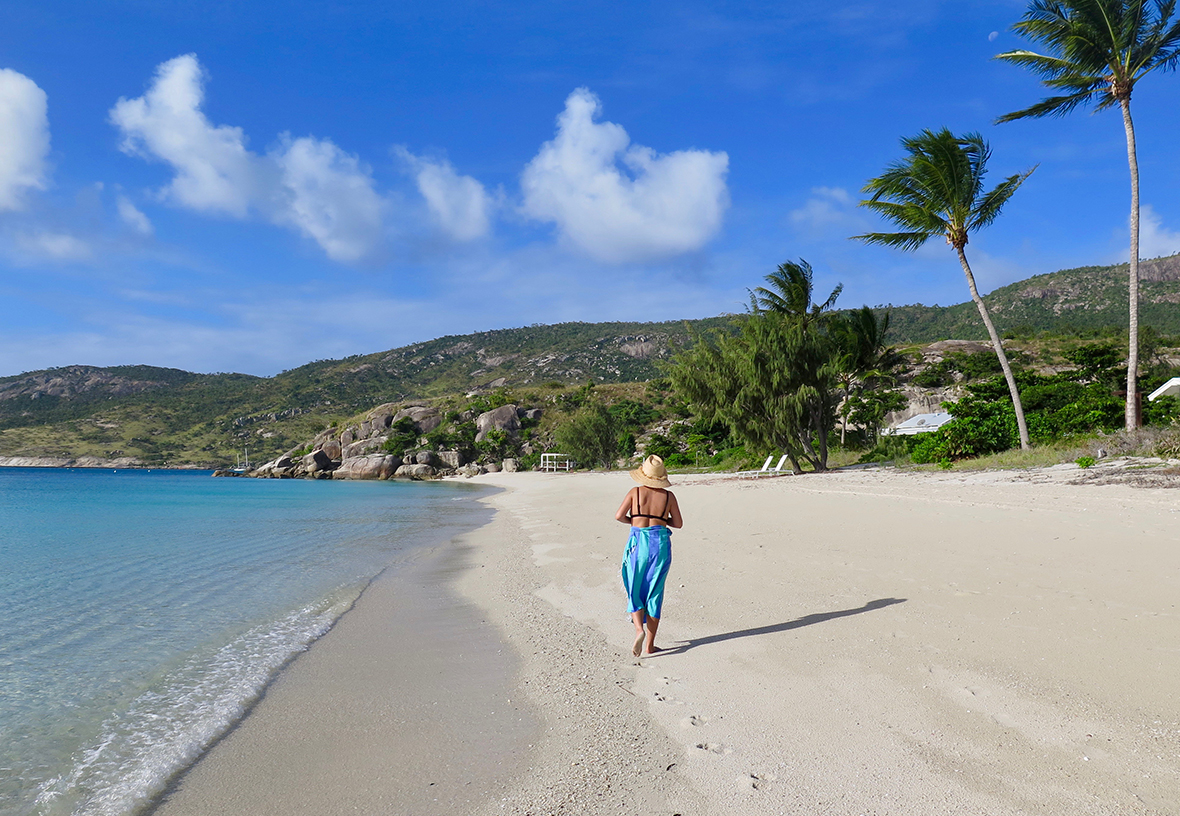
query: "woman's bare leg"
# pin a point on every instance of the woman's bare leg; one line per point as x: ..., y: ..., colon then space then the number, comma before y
x: 638, y: 618
x: 652, y: 625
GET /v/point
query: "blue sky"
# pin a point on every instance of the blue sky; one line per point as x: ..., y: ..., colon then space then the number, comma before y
x: 251, y: 186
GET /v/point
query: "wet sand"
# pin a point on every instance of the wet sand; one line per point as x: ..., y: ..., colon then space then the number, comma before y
x: 405, y: 706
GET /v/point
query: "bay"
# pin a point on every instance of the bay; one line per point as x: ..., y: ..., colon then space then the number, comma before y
x: 141, y: 613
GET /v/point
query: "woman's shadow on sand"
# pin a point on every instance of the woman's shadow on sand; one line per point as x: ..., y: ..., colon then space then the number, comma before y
x: 798, y: 623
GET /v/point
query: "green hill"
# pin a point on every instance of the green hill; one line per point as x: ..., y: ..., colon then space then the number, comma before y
x: 1086, y: 299
x: 166, y: 416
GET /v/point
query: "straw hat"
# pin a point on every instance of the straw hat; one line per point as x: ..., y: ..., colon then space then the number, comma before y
x: 652, y: 472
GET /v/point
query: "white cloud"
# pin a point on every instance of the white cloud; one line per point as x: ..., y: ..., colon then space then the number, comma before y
x: 1155, y: 240
x: 827, y: 209
x: 53, y: 246
x: 307, y: 183
x: 132, y: 216
x: 459, y: 204
x: 214, y: 170
x: 329, y: 197
x: 24, y: 137
x: 660, y: 205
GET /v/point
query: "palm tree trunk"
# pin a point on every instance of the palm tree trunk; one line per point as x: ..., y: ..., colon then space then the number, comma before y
x: 1021, y: 426
x: 1132, y: 413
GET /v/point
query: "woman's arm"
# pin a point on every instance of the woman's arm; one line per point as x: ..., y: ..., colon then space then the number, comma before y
x: 674, y: 509
x: 623, y: 514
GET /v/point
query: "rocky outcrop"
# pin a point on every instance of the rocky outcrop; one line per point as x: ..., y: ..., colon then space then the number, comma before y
x: 363, y: 447
x: 416, y: 472
x: 451, y: 459
x: 373, y: 466
x: 362, y: 450
x: 425, y: 419
x: 503, y: 419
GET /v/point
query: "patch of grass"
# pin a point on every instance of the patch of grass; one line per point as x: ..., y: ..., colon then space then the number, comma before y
x: 1040, y: 456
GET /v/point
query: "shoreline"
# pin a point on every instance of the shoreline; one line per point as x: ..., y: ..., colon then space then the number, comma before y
x: 376, y: 711
x: 853, y: 642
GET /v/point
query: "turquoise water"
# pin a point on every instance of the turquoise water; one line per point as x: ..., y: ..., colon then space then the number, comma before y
x: 141, y: 613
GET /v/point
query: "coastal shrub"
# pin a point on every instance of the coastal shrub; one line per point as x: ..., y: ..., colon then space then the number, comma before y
x: 867, y: 409
x: 1085, y: 461
x: 1098, y: 363
x: 979, y: 427
x: 590, y: 437
x: 967, y: 366
x: 889, y: 449
x: 631, y: 414
x: 935, y: 375
x: 496, y: 445
x: 402, y: 434
x: 626, y: 444
x: 662, y: 446
x: 1164, y: 411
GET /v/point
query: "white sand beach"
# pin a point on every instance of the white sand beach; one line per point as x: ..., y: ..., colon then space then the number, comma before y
x: 868, y: 642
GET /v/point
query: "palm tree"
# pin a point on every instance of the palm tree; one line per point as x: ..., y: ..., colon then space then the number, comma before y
x: 938, y: 190
x: 863, y: 358
x: 1099, y: 50
x: 792, y: 286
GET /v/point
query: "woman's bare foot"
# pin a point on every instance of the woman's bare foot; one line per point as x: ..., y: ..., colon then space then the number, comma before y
x: 652, y: 649
x: 638, y: 647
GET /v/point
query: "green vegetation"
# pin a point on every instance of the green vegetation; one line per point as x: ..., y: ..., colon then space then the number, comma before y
x: 774, y: 383
x: 169, y: 417
x: 1061, y: 407
x: 937, y: 191
x: 1099, y: 50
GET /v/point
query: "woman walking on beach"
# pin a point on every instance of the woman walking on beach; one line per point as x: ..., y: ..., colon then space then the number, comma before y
x: 650, y: 509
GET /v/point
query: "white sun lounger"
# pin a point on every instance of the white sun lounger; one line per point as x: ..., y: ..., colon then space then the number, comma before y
x: 766, y: 470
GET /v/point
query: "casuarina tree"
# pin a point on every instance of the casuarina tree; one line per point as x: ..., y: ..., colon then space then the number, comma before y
x: 937, y: 190
x: 1098, y: 51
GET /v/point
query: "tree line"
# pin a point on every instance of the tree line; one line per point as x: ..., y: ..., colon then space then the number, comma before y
x: 780, y: 380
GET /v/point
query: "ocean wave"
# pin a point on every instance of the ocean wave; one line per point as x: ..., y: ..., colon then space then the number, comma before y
x: 165, y: 729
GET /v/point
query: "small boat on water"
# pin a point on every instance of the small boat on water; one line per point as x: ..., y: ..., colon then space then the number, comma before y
x: 243, y: 468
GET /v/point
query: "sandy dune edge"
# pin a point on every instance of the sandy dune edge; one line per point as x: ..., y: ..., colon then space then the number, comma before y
x: 853, y: 643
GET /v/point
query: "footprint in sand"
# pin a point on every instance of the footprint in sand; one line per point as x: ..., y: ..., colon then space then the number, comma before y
x: 694, y: 721
x: 714, y: 748
x: 669, y: 700
x: 756, y: 781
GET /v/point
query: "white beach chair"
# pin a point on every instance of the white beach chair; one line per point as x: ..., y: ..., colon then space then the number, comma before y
x: 765, y: 468
x: 777, y: 470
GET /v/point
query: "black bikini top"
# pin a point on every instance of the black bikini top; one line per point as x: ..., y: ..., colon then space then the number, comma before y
x: 667, y: 516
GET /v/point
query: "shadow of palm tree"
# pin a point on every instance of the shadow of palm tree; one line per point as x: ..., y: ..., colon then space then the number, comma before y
x: 770, y: 629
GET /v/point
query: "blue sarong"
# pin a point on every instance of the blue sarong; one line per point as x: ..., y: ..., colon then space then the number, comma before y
x: 645, y: 568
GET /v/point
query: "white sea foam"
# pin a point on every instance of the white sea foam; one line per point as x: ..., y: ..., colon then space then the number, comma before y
x: 166, y: 728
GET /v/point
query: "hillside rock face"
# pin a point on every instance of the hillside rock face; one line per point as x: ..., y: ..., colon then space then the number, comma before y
x: 424, y: 419
x: 72, y: 382
x: 503, y: 418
